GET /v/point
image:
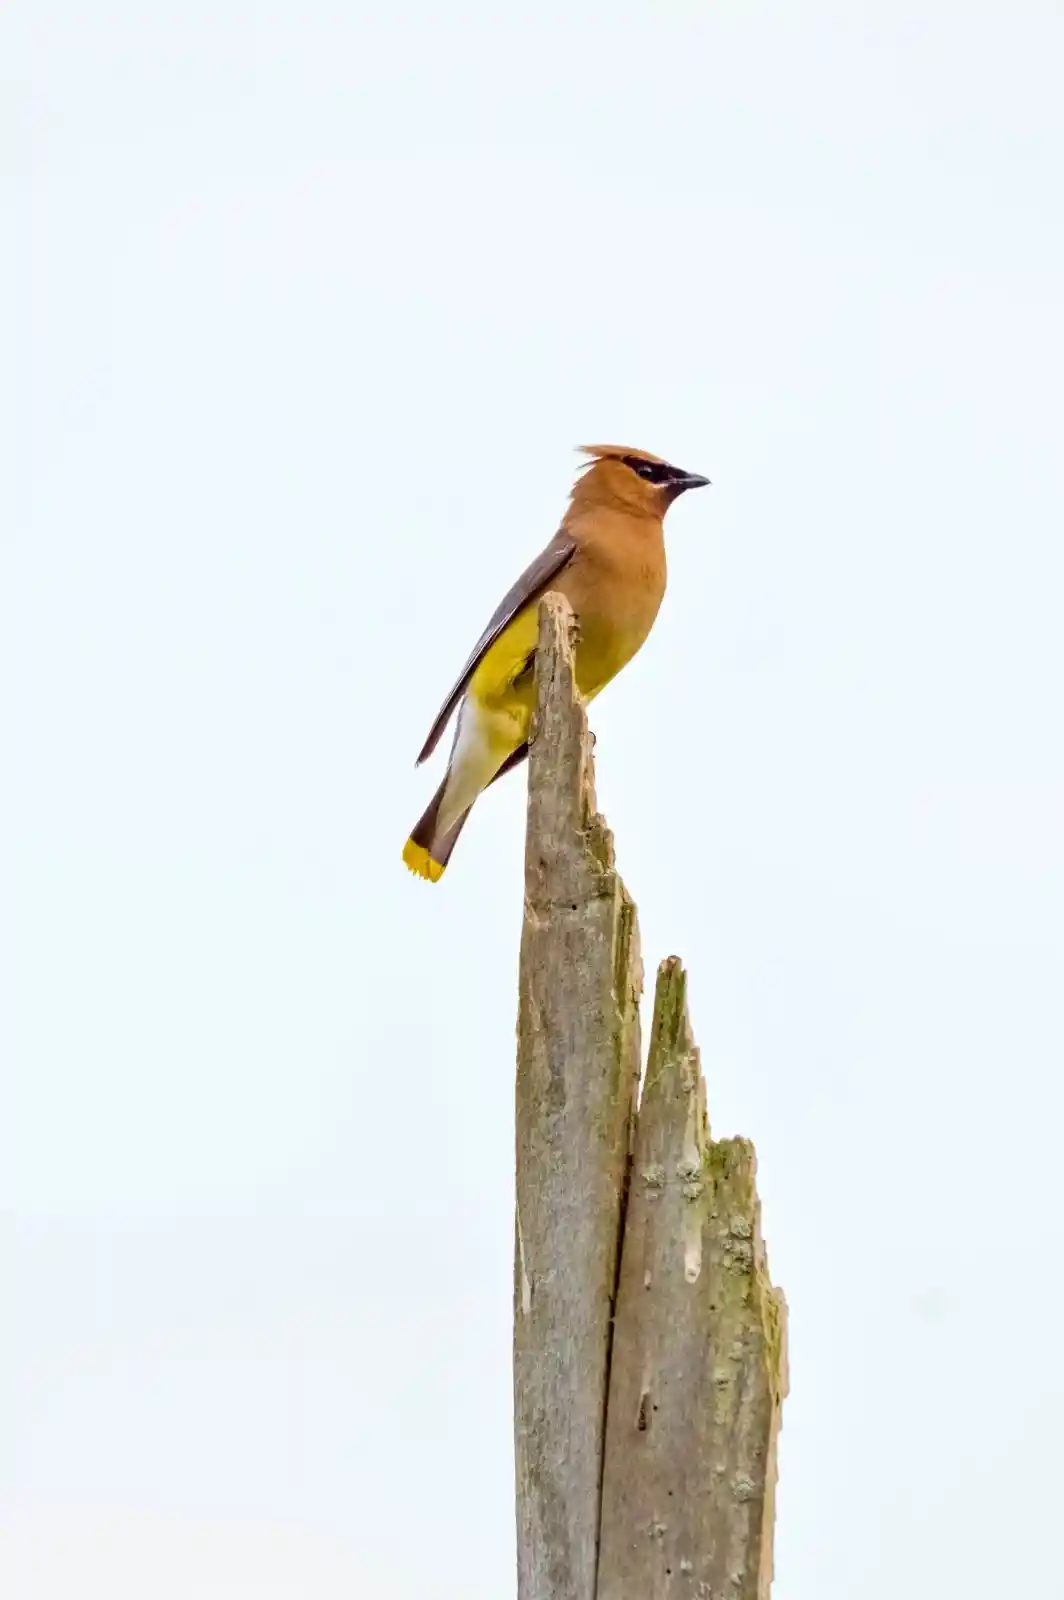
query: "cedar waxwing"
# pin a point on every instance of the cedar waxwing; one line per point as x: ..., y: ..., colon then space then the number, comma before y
x: 608, y: 560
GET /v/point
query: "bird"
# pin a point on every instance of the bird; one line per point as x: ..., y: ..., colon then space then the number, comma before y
x: 608, y: 560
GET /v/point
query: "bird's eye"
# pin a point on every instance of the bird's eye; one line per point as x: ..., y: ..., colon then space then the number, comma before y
x: 650, y: 471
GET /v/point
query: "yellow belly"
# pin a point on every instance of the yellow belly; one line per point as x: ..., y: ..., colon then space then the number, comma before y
x: 503, y: 684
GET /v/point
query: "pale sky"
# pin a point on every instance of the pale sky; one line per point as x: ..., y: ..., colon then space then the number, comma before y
x: 308, y: 306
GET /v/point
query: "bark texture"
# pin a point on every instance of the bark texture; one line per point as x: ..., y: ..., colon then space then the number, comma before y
x: 577, y: 1079
x: 698, y: 1368
x: 649, y: 1343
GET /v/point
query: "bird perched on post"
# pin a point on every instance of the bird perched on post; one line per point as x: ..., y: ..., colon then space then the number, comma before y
x: 608, y: 560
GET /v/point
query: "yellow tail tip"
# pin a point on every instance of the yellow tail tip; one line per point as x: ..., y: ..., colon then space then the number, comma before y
x: 421, y: 863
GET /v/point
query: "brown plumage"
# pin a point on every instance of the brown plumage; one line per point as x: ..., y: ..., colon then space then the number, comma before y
x: 608, y: 560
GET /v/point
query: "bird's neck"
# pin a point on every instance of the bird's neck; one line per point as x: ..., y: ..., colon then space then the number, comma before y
x: 606, y: 518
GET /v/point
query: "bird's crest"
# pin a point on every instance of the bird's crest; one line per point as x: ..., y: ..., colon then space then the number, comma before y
x: 616, y: 452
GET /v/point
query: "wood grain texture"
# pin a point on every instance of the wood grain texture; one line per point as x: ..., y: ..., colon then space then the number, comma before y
x: 698, y: 1366
x: 577, y: 1079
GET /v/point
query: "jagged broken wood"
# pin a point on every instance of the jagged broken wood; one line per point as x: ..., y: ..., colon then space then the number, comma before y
x: 649, y: 1344
x: 697, y: 1366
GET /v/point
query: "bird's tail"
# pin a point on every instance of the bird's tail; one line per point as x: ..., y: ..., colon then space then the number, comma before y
x: 427, y: 851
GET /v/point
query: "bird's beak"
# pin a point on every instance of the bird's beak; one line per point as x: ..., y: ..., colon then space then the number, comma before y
x: 691, y: 480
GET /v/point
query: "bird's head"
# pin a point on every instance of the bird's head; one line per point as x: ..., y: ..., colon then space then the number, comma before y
x: 633, y: 479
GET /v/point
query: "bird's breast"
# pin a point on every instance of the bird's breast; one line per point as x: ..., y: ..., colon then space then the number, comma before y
x: 604, y: 647
x: 615, y: 609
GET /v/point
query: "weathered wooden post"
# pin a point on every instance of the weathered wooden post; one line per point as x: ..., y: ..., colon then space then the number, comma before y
x: 577, y: 1080
x: 649, y: 1345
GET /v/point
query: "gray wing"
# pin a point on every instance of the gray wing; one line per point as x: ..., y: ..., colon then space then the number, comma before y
x: 533, y: 582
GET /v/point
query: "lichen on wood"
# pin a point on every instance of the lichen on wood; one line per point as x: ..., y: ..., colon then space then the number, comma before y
x: 698, y: 1365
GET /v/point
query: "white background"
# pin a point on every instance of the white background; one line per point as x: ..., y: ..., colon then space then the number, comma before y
x: 307, y: 306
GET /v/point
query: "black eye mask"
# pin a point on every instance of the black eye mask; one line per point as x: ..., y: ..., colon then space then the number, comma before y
x: 651, y: 471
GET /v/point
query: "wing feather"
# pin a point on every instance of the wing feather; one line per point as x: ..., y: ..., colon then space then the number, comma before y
x: 533, y: 582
